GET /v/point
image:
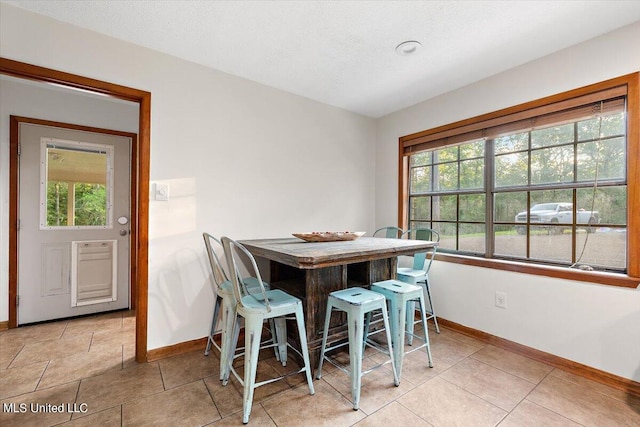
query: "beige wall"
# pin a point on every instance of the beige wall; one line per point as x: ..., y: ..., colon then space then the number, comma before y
x: 241, y: 159
x: 598, y: 326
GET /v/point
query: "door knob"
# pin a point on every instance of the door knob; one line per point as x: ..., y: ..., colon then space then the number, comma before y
x: 123, y: 232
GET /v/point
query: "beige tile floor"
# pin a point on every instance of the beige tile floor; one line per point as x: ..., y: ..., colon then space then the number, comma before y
x: 87, y: 366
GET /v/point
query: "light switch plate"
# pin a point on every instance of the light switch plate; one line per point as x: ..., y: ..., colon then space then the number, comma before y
x: 162, y: 192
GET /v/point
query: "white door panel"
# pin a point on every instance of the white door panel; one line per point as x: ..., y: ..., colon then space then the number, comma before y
x: 45, y: 266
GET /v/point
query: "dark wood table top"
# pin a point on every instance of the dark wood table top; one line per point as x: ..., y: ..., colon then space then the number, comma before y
x: 309, y: 255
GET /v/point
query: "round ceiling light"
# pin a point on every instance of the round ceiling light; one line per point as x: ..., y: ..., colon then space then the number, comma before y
x: 408, y: 48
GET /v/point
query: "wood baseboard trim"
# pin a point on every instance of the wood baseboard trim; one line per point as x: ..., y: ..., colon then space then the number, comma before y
x: 185, y: 347
x: 176, y: 349
x: 4, y: 325
x: 606, y: 378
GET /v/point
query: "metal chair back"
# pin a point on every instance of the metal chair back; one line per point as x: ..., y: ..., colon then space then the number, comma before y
x: 420, y: 259
x: 238, y: 256
x: 389, y: 232
x: 219, y: 275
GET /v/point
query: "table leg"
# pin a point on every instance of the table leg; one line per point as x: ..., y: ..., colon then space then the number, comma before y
x: 313, y: 287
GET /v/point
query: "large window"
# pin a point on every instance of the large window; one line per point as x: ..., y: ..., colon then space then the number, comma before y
x: 547, y: 183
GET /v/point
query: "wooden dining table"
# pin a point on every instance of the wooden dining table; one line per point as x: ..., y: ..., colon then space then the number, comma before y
x: 312, y: 270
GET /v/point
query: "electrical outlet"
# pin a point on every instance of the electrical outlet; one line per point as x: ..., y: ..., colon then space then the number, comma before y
x: 501, y: 300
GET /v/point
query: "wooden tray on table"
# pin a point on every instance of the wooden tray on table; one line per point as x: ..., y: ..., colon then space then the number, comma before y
x: 329, y: 236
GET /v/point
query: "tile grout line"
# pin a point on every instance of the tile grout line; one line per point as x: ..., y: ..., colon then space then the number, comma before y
x: 91, y: 341
x: 542, y: 406
x: 75, y: 400
x: 265, y: 411
x: 409, y: 409
x: 164, y: 387
x: 536, y: 385
x: 42, y: 376
x: 514, y: 374
x: 14, y: 357
x: 510, y: 373
x: 475, y: 395
x: 507, y: 412
x: 66, y: 325
x: 577, y: 384
x: 570, y: 381
x: 524, y: 397
x: 212, y: 399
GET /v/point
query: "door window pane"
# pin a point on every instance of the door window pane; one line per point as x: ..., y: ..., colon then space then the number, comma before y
x: 76, y: 184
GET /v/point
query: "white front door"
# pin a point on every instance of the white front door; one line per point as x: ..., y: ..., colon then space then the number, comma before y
x: 74, y: 210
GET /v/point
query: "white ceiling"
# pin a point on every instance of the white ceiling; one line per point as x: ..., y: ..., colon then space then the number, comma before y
x: 342, y: 52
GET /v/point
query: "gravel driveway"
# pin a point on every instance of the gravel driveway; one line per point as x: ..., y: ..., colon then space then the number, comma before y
x: 604, y: 248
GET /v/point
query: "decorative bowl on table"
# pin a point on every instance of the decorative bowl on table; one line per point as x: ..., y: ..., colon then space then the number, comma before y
x: 329, y: 236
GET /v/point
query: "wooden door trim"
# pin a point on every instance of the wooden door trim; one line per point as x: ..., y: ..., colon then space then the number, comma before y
x: 140, y: 174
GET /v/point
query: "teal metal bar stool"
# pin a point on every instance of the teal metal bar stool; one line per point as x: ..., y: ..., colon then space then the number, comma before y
x: 418, y: 274
x: 356, y: 302
x: 225, y: 304
x: 255, y: 309
x: 401, y: 296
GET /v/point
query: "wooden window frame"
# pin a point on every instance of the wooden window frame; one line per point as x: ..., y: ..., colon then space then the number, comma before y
x: 456, y: 132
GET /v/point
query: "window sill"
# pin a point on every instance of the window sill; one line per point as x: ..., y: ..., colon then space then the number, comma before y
x: 610, y: 279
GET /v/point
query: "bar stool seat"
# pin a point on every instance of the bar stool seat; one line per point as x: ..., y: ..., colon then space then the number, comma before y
x: 356, y: 303
x: 400, y: 296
